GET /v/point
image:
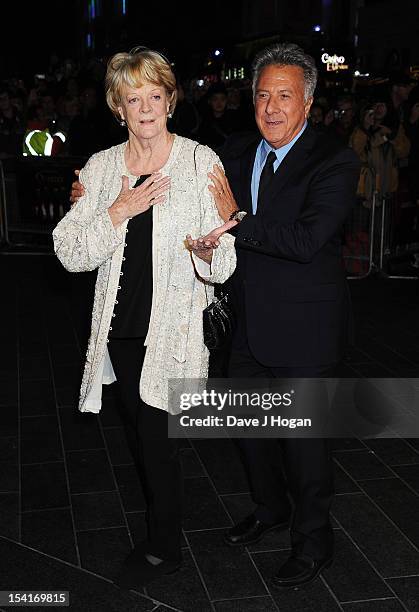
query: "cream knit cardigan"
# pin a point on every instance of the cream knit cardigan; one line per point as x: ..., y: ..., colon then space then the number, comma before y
x: 85, y: 239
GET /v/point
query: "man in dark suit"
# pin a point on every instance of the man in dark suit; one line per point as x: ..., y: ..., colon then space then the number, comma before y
x: 296, y: 186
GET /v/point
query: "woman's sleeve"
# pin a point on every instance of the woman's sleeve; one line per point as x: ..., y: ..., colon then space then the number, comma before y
x: 85, y: 238
x: 224, y: 256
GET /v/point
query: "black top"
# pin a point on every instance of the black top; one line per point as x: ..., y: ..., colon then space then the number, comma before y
x: 131, y: 315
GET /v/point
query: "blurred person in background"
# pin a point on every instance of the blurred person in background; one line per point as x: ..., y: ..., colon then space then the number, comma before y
x: 87, y: 130
x: 412, y: 131
x: 380, y: 142
x: 316, y: 117
x: 344, y: 121
x: 12, y: 125
x: 39, y: 88
x: 185, y: 119
x: 218, y: 122
x: 238, y: 102
x: 400, y: 86
x: 69, y: 109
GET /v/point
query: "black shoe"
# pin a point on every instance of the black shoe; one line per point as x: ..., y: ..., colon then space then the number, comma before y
x: 299, y: 569
x: 251, y: 530
x: 138, y: 572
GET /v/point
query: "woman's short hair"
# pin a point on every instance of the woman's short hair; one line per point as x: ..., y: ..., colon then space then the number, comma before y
x: 286, y: 54
x: 134, y: 69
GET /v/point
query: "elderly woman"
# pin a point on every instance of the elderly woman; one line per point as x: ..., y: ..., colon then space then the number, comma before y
x: 141, y: 199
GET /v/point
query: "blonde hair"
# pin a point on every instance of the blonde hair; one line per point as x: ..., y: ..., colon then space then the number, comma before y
x: 134, y: 69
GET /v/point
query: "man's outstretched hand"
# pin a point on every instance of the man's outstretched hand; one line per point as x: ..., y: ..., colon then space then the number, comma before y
x: 77, y: 189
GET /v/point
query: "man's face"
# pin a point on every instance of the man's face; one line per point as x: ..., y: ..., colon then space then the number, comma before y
x: 280, y: 109
x: 346, y: 112
x: 316, y: 115
x: 218, y: 103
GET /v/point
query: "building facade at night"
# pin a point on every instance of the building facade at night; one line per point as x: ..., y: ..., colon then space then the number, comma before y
x: 388, y: 35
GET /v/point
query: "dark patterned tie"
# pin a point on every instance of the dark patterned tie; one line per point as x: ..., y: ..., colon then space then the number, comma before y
x: 266, y: 177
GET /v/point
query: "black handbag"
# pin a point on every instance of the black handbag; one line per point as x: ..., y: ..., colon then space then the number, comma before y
x: 218, y: 317
x: 218, y: 321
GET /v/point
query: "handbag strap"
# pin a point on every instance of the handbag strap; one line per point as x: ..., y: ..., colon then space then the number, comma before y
x: 197, y: 194
x: 196, y: 171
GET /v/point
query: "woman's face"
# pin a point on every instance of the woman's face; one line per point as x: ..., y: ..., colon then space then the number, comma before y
x: 144, y: 109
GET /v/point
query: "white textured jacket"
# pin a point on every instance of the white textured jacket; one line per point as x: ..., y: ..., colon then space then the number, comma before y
x: 85, y: 239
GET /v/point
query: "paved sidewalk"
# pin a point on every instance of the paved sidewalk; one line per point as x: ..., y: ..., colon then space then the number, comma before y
x: 71, y: 504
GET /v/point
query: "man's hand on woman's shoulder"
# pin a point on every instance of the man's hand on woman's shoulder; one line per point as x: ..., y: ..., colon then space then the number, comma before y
x: 77, y: 189
x: 221, y: 191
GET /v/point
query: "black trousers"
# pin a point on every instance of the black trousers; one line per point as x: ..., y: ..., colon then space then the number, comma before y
x: 156, y: 456
x: 299, y: 469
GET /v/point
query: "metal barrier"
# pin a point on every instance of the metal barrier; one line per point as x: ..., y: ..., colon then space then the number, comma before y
x: 369, y: 240
x: 34, y: 196
x: 4, y: 237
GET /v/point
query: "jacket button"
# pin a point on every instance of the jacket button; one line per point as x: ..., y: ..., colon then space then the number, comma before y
x: 256, y: 242
x: 114, y: 315
x: 116, y: 302
x: 110, y: 329
x: 124, y: 258
x: 121, y: 274
x: 119, y: 286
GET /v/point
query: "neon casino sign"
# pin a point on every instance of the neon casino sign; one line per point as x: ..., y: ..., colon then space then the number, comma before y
x: 334, y: 62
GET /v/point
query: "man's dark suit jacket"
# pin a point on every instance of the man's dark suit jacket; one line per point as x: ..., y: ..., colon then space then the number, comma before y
x: 290, y: 282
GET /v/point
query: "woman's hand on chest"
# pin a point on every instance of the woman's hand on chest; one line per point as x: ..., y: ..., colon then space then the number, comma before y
x: 132, y: 202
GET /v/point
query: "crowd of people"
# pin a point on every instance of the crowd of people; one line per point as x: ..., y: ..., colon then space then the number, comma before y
x: 379, y: 121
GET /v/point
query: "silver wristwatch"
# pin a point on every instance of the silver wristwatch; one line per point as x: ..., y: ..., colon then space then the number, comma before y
x: 237, y: 215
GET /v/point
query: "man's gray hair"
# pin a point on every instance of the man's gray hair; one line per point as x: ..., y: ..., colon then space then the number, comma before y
x: 286, y: 54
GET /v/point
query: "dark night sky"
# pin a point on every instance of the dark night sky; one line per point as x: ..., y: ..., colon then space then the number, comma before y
x: 187, y: 31
x: 30, y: 31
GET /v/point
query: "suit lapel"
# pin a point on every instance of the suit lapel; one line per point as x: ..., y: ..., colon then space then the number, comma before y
x: 293, y: 161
